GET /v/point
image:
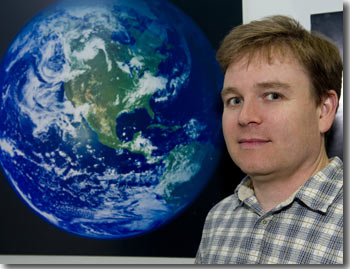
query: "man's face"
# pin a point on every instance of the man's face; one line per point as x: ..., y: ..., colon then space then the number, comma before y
x: 270, y: 119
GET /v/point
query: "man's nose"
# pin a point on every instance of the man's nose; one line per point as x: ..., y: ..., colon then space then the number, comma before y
x: 250, y: 113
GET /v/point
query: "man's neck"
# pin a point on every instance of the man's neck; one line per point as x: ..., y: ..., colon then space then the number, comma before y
x: 272, y: 191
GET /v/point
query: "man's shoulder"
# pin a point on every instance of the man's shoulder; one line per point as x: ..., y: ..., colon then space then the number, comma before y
x: 223, y: 208
x: 228, y: 204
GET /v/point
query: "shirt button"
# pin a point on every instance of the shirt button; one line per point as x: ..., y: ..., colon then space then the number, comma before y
x: 264, y: 222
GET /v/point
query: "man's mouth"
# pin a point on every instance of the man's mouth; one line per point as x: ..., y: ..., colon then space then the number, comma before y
x: 253, y: 142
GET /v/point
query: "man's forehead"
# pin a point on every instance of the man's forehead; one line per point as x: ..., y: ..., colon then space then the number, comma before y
x: 267, y: 78
x: 261, y: 58
x: 266, y: 54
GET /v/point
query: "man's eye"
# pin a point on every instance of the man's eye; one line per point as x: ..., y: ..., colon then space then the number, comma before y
x: 234, y: 101
x: 273, y: 96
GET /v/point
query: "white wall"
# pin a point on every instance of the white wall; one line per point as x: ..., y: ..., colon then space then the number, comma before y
x: 298, y: 9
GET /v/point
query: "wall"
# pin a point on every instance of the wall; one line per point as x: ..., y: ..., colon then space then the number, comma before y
x: 298, y: 9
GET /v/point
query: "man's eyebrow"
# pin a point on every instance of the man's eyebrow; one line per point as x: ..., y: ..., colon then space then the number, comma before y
x: 227, y: 90
x: 260, y: 85
x: 272, y: 85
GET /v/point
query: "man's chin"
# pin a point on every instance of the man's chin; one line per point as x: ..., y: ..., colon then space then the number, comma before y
x: 254, y: 170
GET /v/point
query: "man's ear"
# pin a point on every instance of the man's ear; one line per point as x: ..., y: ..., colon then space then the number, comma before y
x: 328, y: 108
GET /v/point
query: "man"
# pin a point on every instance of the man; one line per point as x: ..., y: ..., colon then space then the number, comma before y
x: 280, y: 95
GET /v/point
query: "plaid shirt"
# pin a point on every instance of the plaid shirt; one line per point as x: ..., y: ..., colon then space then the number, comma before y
x: 305, y: 229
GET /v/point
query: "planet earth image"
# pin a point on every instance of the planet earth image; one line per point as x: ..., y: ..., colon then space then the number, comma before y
x: 109, y: 115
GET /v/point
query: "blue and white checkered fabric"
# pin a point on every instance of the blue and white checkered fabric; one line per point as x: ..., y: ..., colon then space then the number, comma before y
x: 305, y: 229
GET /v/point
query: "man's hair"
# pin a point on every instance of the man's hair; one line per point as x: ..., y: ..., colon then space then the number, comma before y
x: 282, y: 35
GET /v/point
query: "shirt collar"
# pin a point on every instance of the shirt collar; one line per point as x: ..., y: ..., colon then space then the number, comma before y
x: 317, y: 193
x: 245, y: 189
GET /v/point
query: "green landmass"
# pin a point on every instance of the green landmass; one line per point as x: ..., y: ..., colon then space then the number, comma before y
x: 106, y: 89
